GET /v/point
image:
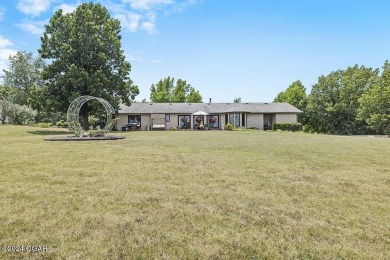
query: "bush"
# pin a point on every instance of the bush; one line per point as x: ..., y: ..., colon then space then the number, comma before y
x: 62, y: 123
x: 21, y: 115
x: 43, y: 125
x: 229, y: 126
x: 308, y: 129
x: 291, y: 127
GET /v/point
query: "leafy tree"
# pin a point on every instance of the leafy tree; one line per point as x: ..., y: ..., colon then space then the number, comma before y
x: 237, y: 100
x: 295, y: 95
x: 193, y: 96
x: 165, y: 91
x: 333, y: 101
x: 375, y: 104
x: 24, y: 77
x: 86, y: 59
x: 5, y: 103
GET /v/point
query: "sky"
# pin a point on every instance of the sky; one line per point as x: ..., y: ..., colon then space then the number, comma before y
x: 252, y: 49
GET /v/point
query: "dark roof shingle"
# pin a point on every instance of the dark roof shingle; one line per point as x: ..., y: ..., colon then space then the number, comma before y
x: 211, y: 108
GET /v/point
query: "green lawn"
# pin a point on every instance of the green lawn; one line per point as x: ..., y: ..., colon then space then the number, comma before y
x: 195, y: 194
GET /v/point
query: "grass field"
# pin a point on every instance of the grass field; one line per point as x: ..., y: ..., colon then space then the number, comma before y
x: 195, y: 195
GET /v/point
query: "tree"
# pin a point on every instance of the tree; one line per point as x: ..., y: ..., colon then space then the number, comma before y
x: 295, y: 95
x: 5, y: 103
x: 24, y: 77
x: 165, y: 91
x: 86, y: 59
x: 333, y: 101
x: 375, y: 104
x: 237, y: 100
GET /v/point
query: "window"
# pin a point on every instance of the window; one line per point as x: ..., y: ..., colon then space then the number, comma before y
x: 198, y: 120
x: 231, y: 119
x: 134, y: 122
x: 184, y: 121
x: 243, y: 119
x: 134, y: 119
x: 213, y: 121
x: 167, y: 118
x: 237, y: 120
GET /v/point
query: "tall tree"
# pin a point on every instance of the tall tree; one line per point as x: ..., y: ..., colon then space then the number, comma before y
x: 166, y: 91
x: 375, y: 104
x: 333, y: 101
x: 24, y: 77
x: 85, y: 49
x: 295, y: 95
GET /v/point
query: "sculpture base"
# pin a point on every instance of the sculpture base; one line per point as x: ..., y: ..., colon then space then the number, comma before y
x: 89, y: 138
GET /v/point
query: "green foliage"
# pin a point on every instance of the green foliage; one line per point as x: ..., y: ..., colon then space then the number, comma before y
x: 229, y: 126
x: 165, y: 91
x: 62, y: 123
x: 5, y: 103
x: 237, y: 100
x: 333, y: 102
x: 295, y: 95
x: 93, y: 120
x: 84, y: 48
x: 291, y: 127
x: 43, y: 125
x: 21, y: 115
x: 375, y: 104
x: 24, y: 77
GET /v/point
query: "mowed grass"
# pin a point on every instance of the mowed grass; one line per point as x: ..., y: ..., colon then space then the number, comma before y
x: 195, y: 195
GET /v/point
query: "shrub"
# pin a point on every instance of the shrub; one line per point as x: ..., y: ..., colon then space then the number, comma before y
x: 229, y: 126
x: 21, y: 115
x: 291, y: 127
x: 43, y: 125
x: 60, y: 123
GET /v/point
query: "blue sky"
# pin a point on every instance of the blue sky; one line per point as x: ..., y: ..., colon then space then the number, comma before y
x: 251, y: 49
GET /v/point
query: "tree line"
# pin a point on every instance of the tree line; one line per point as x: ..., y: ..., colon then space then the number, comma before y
x: 347, y: 102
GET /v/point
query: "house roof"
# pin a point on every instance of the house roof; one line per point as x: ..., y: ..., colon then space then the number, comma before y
x: 211, y: 108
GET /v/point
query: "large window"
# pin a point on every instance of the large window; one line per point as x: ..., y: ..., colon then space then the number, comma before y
x: 237, y: 120
x: 184, y: 121
x: 213, y: 121
x: 231, y: 119
x: 198, y: 120
x: 134, y: 119
x: 134, y: 122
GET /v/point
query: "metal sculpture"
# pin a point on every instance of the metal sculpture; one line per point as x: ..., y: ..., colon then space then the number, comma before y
x: 74, y: 111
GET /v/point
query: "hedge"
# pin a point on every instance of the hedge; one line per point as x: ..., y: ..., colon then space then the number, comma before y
x: 292, y: 127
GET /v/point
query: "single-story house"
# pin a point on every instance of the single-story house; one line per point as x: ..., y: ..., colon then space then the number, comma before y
x: 145, y: 116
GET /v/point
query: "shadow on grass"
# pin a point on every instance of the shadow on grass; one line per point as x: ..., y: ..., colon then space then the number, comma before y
x: 49, y: 132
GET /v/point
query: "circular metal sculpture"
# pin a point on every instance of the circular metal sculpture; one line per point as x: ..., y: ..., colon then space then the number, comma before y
x: 74, y: 111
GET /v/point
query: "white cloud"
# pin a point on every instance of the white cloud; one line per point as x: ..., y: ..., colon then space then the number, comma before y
x: 148, y: 26
x: 5, y: 53
x: 147, y: 4
x: 33, y: 7
x: 4, y: 42
x: 143, y: 13
x: 66, y: 8
x: 129, y: 20
x: 156, y: 61
x: 33, y: 27
x: 181, y: 7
